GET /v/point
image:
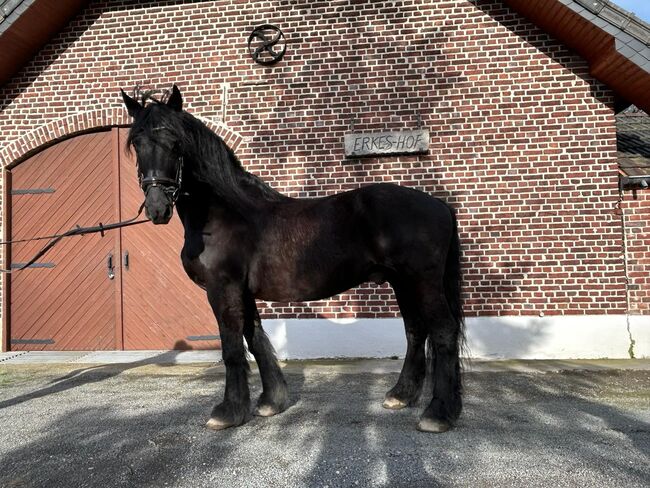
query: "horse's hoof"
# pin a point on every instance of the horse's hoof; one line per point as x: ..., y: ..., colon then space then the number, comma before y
x: 393, y: 403
x: 266, y: 411
x: 433, y: 425
x: 218, y: 424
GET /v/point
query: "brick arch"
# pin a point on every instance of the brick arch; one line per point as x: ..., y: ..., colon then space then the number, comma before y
x: 88, y: 121
x: 233, y: 139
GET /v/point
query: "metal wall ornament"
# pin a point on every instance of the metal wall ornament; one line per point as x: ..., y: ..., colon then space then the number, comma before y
x: 267, y: 44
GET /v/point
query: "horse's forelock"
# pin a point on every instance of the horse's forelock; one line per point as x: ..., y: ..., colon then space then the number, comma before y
x: 156, y: 114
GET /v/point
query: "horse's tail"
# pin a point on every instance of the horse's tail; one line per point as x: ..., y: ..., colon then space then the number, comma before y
x: 452, y: 281
x: 446, y: 341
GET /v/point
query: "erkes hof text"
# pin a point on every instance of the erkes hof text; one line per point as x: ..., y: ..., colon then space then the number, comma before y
x: 386, y: 143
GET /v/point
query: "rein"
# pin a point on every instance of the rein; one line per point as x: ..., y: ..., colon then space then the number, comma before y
x: 170, y: 186
x: 77, y: 231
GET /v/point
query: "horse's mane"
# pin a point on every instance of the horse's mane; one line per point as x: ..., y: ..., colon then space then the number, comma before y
x: 206, y: 154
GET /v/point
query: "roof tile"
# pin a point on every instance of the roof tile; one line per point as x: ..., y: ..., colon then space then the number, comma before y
x: 633, y: 141
x: 638, y: 46
x: 593, y: 5
x: 616, y: 17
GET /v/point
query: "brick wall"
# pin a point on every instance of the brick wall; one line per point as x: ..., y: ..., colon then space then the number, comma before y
x: 523, y: 139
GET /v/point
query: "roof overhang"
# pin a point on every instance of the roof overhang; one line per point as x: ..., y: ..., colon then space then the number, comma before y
x: 26, y: 26
x: 614, y: 42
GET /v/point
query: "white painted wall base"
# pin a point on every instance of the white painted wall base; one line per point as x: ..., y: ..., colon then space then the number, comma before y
x: 512, y: 337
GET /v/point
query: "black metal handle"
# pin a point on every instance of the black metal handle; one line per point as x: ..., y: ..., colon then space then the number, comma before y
x: 111, y: 268
x: 125, y: 261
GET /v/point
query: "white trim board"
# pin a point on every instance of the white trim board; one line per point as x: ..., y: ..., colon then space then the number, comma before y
x: 510, y: 337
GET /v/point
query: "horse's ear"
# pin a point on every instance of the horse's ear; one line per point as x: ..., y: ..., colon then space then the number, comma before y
x: 132, y: 106
x: 175, y: 101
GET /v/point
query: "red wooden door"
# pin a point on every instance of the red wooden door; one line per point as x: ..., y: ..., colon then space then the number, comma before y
x: 66, y: 301
x: 162, y: 308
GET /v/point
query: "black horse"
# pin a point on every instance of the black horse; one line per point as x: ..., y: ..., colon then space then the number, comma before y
x: 244, y: 240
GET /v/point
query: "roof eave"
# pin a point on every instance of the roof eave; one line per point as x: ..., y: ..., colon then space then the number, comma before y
x: 615, y: 56
x: 28, y: 28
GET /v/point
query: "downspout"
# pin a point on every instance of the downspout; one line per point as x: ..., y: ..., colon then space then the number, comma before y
x: 621, y: 209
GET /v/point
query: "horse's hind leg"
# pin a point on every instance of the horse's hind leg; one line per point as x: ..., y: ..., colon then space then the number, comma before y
x: 427, y: 315
x: 274, y: 396
x: 444, y: 335
x: 409, y: 385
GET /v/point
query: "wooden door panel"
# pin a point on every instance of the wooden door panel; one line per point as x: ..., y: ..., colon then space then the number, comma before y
x: 162, y: 307
x: 70, y: 303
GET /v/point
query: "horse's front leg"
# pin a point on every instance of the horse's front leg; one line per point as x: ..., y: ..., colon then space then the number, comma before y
x: 227, y: 301
x: 274, y: 396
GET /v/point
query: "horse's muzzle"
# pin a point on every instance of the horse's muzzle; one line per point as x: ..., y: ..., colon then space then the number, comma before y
x: 158, y: 206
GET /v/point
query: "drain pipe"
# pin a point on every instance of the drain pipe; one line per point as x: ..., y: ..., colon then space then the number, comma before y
x: 619, y: 206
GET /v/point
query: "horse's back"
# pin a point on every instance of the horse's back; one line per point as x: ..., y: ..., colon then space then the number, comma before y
x: 388, y: 226
x: 375, y: 221
x: 389, y: 200
x: 405, y: 218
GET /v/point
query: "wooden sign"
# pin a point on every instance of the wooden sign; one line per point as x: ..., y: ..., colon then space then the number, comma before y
x: 386, y: 143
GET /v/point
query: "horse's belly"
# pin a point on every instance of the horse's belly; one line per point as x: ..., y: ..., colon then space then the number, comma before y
x: 287, y: 285
x: 293, y: 294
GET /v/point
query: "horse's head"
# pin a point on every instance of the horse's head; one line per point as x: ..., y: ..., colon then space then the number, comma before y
x: 156, y: 138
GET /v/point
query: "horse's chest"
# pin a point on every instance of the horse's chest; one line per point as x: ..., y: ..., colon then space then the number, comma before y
x: 212, y: 255
x: 193, y: 259
x: 195, y: 269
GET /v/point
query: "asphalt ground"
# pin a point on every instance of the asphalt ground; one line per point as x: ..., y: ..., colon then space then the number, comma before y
x: 142, y: 424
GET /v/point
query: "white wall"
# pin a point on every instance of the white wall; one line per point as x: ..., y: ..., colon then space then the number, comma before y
x: 512, y: 337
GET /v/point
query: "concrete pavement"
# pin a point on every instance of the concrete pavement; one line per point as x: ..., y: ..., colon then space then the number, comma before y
x: 549, y: 423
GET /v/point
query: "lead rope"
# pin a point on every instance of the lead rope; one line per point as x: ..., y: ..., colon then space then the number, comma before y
x: 77, y: 231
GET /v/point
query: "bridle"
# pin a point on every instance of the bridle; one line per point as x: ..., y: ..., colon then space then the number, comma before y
x: 171, y: 187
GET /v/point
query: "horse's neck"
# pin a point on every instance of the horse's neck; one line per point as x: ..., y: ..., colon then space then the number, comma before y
x: 231, y: 183
x: 240, y: 190
x: 196, y: 211
x: 199, y: 200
